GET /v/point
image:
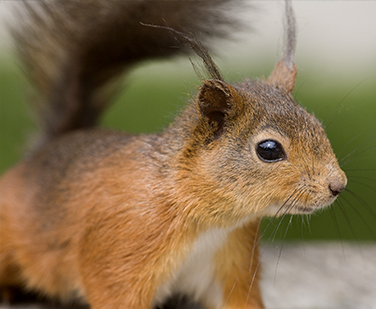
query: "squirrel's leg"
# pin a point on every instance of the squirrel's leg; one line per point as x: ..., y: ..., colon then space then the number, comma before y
x: 237, y: 267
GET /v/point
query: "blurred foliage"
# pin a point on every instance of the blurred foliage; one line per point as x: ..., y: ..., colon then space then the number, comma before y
x: 154, y: 94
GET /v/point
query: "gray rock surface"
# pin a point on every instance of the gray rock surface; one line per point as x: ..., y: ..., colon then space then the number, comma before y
x: 322, y: 275
x: 311, y: 276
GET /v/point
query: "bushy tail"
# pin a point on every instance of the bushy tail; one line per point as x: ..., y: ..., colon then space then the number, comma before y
x: 73, y: 50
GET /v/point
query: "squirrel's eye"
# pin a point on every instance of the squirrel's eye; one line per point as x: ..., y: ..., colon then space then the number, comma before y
x: 270, y: 151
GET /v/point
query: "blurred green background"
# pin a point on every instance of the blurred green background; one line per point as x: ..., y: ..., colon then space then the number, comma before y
x: 336, y: 80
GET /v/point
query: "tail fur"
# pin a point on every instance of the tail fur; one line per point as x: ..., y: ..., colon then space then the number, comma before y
x: 74, y: 50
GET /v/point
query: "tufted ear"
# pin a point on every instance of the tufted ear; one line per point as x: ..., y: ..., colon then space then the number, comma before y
x: 284, y: 73
x: 283, y: 77
x: 215, y: 104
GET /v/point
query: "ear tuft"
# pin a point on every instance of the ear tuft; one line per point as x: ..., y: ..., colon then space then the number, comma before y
x: 283, y: 77
x: 214, y: 101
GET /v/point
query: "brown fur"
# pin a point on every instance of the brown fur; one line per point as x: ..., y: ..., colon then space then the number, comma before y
x: 114, y: 219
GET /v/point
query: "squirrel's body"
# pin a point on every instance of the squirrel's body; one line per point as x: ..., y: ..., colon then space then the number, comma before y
x: 128, y: 221
x: 158, y: 253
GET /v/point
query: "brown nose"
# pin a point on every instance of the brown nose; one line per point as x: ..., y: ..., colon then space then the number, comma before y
x: 337, y: 185
x: 336, y: 189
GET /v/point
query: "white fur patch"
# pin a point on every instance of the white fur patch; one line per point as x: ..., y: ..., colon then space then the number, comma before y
x: 195, y: 277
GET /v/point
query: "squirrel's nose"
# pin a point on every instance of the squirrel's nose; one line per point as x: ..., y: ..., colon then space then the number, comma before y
x: 335, y: 190
x: 338, y: 184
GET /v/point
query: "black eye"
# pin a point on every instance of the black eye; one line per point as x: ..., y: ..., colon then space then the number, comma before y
x: 270, y: 151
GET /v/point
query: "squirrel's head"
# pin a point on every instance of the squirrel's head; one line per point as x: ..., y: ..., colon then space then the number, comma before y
x: 255, y: 151
x: 252, y: 150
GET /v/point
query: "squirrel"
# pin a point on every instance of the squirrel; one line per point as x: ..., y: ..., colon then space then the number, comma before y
x: 130, y: 221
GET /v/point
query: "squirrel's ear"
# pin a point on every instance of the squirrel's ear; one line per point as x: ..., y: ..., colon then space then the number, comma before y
x: 214, y: 101
x: 283, y: 77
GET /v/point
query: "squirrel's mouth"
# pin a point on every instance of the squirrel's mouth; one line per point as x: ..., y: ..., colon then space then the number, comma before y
x: 296, y: 210
x: 299, y: 207
x: 310, y: 208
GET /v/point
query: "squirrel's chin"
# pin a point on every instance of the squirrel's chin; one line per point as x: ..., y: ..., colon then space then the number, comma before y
x: 303, y: 210
x: 311, y: 208
x: 298, y: 209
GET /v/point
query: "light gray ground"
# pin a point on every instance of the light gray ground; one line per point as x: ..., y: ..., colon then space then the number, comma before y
x: 315, y: 276
x: 322, y: 275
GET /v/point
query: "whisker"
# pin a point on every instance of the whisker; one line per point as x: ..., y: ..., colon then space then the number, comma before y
x: 256, y: 243
x: 362, y: 201
x: 276, y: 228
x: 281, y: 248
x: 253, y: 280
x: 345, y: 215
x: 349, y: 142
x: 366, y: 224
x: 336, y: 111
x: 278, y: 213
x: 302, y: 225
x: 356, y: 152
x: 305, y: 219
x: 289, y: 204
x: 299, y: 192
x: 343, y: 210
x: 297, y: 90
x: 364, y: 184
x: 357, y: 158
x: 335, y: 221
x: 360, y: 170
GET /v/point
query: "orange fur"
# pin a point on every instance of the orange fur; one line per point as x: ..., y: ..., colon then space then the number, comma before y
x: 128, y: 221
